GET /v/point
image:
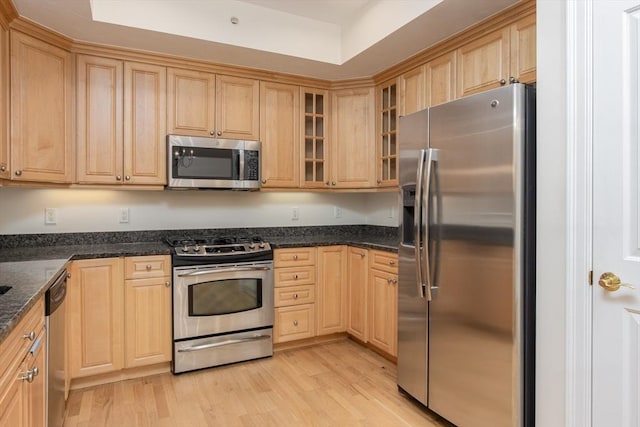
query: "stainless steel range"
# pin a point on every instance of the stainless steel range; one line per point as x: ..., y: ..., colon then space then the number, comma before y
x: 222, y: 301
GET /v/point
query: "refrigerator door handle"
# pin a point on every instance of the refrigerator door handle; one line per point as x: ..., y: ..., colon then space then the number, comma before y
x: 432, y: 156
x: 417, y: 222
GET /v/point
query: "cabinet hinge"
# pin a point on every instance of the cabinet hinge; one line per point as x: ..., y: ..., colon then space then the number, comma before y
x: 591, y: 277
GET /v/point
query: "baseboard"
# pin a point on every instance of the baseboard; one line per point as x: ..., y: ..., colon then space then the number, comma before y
x: 122, y: 375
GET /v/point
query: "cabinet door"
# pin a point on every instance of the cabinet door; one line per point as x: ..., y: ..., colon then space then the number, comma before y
x: 331, y: 302
x: 237, y: 108
x: 13, y: 409
x: 4, y: 103
x: 441, y: 79
x: 99, y: 120
x: 315, y: 138
x: 358, y: 261
x: 95, y: 302
x: 387, y: 134
x: 144, y: 124
x: 147, y: 321
x: 190, y: 102
x: 279, y: 134
x: 412, y: 91
x: 353, y: 138
x: 483, y: 64
x: 41, y: 140
x: 383, y: 310
x: 523, y: 50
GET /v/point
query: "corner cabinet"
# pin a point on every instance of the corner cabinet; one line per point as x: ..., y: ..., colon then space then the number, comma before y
x: 357, y: 281
x: 41, y: 99
x: 315, y: 140
x: 279, y: 134
x: 353, y: 139
x: 204, y: 104
x: 387, y: 134
x: 121, y: 122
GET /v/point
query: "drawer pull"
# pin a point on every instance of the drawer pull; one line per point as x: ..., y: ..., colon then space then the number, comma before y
x: 295, y: 257
x: 362, y: 255
x: 29, y: 375
x: 167, y: 283
x: 295, y: 323
x: 295, y: 296
x: 295, y: 277
x: 392, y: 262
x: 148, y: 267
x: 30, y: 336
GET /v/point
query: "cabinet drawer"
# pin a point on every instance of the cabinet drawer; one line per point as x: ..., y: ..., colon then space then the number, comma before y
x: 294, y: 323
x: 385, y: 261
x: 142, y: 267
x: 295, y: 295
x: 16, y: 345
x: 292, y: 276
x: 294, y: 256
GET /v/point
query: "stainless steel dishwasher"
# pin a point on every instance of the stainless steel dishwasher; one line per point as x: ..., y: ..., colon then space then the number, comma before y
x: 54, y: 323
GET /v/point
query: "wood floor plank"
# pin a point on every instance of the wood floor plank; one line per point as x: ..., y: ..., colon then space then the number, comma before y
x: 339, y: 383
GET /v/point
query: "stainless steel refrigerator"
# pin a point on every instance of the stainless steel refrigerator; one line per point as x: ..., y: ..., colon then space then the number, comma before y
x: 466, y: 295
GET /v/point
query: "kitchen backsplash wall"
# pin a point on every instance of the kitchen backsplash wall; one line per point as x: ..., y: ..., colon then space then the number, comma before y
x: 82, y: 210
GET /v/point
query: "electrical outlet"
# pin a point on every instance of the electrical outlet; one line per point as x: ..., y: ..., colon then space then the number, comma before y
x: 124, y: 215
x: 50, y: 216
x: 295, y: 214
x: 337, y: 211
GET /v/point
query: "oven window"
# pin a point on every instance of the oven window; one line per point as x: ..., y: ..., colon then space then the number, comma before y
x: 225, y: 297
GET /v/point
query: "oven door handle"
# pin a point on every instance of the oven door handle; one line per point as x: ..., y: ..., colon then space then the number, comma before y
x: 223, y: 270
x: 223, y: 343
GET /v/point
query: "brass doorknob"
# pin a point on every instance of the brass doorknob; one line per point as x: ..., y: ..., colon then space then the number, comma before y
x: 611, y: 282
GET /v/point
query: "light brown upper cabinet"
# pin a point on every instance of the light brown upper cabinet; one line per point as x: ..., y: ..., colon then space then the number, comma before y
x: 204, y: 104
x: 441, y: 79
x: 387, y: 134
x: 280, y: 134
x: 523, y: 49
x: 315, y: 141
x: 121, y: 127
x: 353, y: 138
x: 41, y: 128
x: 4, y: 103
x: 412, y: 91
x: 498, y: 58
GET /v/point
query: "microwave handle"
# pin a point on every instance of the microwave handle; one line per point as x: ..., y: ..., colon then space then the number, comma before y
x: 241, y: 171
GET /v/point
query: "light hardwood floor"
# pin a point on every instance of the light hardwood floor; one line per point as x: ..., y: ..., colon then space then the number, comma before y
x: 333, y: 384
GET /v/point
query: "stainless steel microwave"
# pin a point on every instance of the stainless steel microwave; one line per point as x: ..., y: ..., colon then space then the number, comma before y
x: 198, y: 162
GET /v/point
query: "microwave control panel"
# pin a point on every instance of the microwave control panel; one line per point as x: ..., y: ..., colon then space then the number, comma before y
x: 252, y: 165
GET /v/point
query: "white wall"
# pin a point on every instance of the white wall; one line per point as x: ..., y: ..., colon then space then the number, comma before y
x: 80, y: 210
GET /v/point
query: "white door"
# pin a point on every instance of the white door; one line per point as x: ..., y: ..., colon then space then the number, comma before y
x: 616, y: 220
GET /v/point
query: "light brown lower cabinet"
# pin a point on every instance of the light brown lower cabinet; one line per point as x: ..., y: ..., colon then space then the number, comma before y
x: 23, y: 372
x: 357, y: 281
x: 116, y: 321
x: 383, y: 310
x: 331, y: 304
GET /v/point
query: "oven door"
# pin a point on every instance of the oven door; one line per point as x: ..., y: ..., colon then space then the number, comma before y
x: 217, y: 299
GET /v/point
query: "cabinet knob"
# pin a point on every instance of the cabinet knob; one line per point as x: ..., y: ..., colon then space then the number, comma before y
x: 167, y: 283
x: 30, y: 336
x: 295, y: 277
x: 295, y: 323
x: 379, y: 182
x: 3, y: 168
x: 68, y: 275
x: 333, y: 183
x: 392, y: 262
x: 328, y: 183
x: 29, y: 375
x: 295, y: 296
x: 503, y: 82
x: 212, y: 133
x: 264, y: 181
x: 295, y: 257
x: 18, y: 172
x: 219, y: 133
x: 127, y: 178
x: 513, y: 80
x: 148, y: 267
x: 362, y: 255
x: 118, y: 178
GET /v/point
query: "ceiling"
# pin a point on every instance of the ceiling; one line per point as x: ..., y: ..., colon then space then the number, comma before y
x: 326, y: 39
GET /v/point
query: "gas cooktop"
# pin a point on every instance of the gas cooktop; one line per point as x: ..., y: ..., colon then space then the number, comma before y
x: 219, y: 248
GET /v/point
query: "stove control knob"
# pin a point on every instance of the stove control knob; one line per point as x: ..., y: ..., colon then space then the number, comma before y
x: 261, y: 245
x: 252, y: 245
x: 185, y: 249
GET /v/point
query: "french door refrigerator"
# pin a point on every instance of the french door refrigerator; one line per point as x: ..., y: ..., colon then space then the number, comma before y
x: 466, y: 295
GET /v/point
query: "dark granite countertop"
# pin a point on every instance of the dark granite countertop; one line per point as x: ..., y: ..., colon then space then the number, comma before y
x: 29, y: 263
